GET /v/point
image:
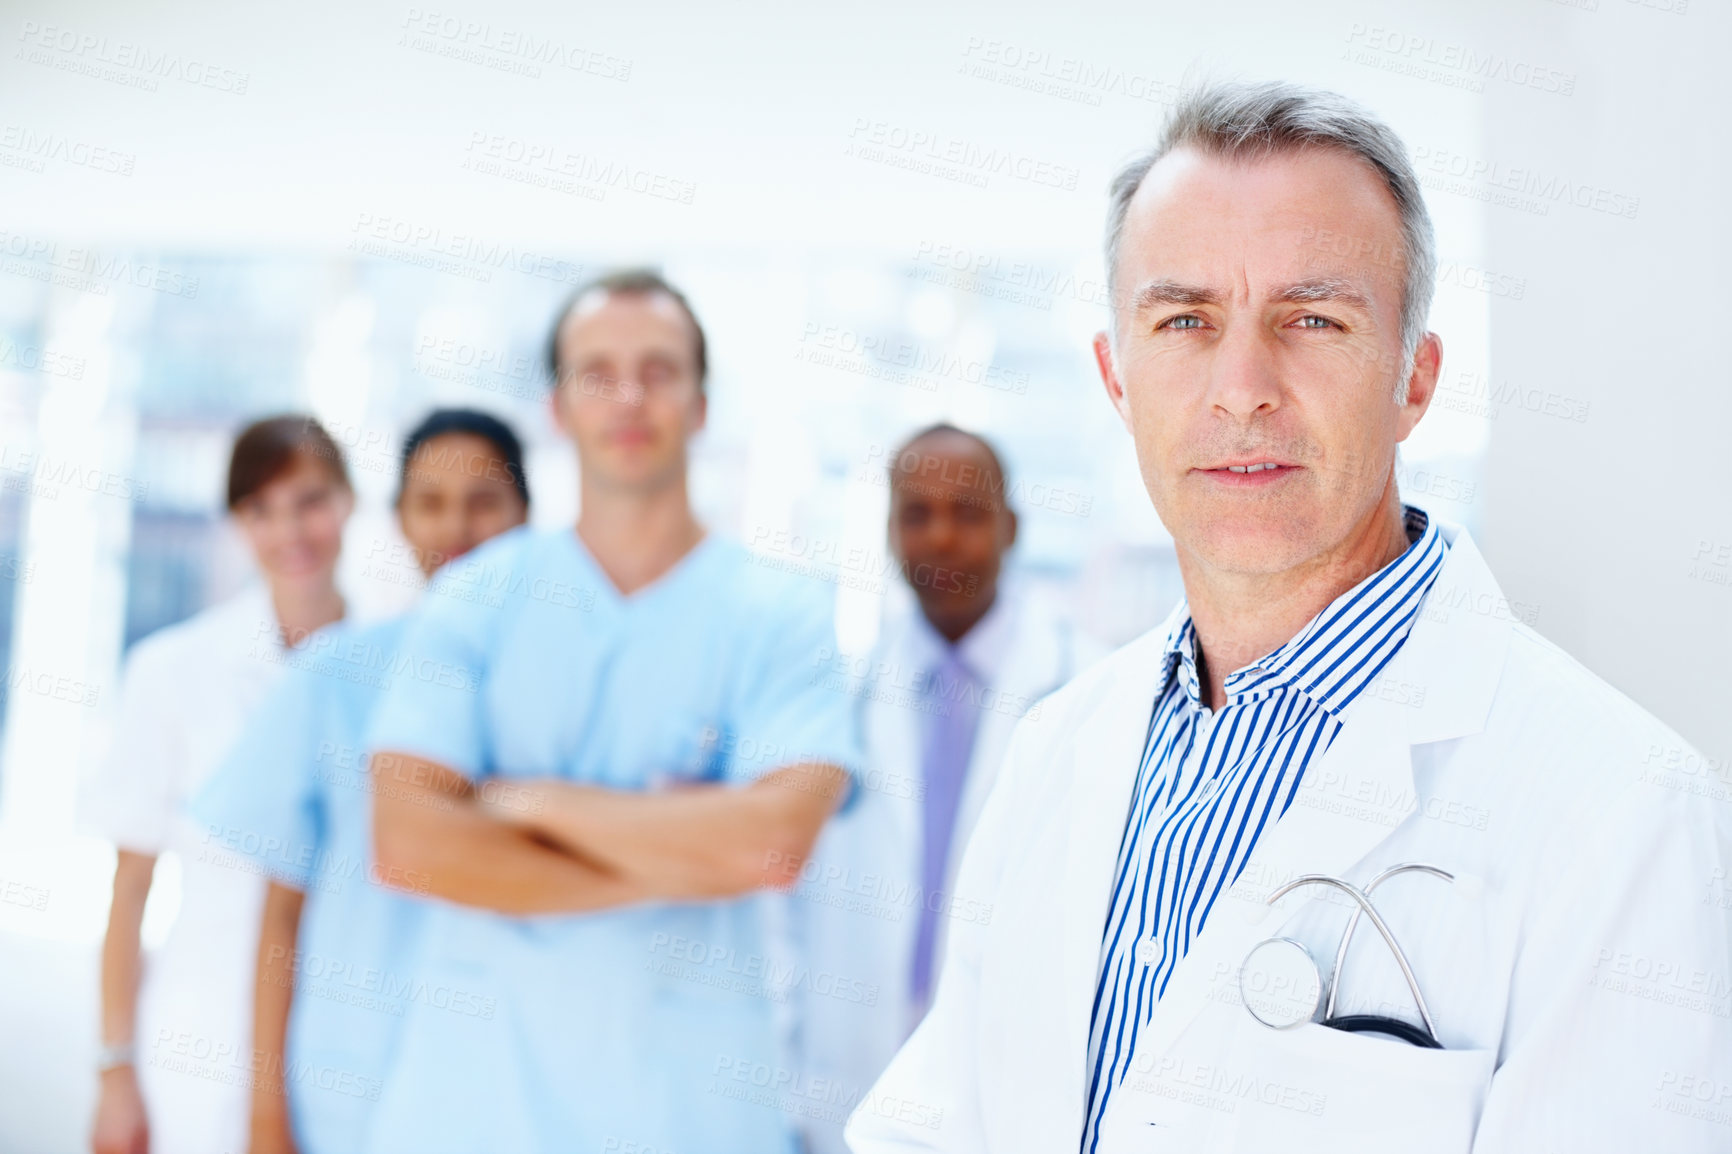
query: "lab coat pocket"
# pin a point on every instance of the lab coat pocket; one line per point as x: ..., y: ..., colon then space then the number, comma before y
x: 1317, y: 1088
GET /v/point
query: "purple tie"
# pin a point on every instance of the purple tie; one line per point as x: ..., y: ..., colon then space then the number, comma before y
x: 953, y: 694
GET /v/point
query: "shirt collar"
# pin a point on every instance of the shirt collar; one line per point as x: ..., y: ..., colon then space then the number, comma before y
x: 982, y: 649
x: 1343, y: 648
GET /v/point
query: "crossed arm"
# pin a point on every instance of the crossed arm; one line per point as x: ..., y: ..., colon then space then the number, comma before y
x: 548, y: 846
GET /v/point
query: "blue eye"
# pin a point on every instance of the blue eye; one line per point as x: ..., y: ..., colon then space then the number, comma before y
x: 1187, y: 321
x: 1322, y: 322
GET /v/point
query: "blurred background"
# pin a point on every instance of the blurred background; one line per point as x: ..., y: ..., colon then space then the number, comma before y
x: 884, y: 215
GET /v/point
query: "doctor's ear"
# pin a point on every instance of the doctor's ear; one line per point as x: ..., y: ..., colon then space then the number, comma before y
x: 1110, y: 377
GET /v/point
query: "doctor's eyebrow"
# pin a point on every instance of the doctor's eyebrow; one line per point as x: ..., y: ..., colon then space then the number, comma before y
x: 1317, y: 290
x: 1171, y: 292
x: 1325, y: 290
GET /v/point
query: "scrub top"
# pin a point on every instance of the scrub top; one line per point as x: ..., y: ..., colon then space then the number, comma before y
x: 648, y: 1027
x: 186, y: 693
x: 295, y: 796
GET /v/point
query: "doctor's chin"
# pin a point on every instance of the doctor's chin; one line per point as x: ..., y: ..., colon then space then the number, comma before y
x: 983, y: 582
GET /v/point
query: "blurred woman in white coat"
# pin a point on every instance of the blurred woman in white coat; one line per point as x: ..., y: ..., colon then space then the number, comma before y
x: 175, y: 1064
x: 939, y: 697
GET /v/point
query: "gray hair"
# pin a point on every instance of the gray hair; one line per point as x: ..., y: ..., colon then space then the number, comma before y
x: 1253, y: 121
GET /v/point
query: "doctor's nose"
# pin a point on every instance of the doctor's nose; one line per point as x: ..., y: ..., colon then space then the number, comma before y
x: 941, y: 533
x: 1243, y: 377
x: 626, y: 390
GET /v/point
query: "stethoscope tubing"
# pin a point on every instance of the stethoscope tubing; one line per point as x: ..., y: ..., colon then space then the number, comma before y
x: 1364, y: 903
x: 1353, y: 924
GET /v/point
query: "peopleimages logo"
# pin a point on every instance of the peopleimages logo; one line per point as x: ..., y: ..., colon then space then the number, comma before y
x: 464, y: 254
x: 1444, y: 58
x: 88, y: 271
x: 37, y: 148
x: 505, y: 49
x: 882, y: 141
x: 122, y: 61
x: 1530, y: 189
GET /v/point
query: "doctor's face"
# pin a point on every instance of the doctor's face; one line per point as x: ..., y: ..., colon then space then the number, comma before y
x: 1243, y: 341
x: 457, y: 493
x: 949, y: 527
x: 294, y: 524
x: 628, y: 394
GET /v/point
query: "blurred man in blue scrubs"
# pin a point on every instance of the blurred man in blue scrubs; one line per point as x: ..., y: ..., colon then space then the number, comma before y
x: 634, y: 752
x: 334, y: 975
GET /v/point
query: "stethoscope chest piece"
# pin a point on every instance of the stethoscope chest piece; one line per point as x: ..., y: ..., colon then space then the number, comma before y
x: 1280, y: 984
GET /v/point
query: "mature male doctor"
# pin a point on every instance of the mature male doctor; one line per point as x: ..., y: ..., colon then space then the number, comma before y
x: 1343, y: 691
x: 945, y: 686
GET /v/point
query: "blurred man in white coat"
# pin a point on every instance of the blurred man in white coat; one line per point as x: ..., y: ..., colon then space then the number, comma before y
x: 941, y: 694
x: 1176, y: 855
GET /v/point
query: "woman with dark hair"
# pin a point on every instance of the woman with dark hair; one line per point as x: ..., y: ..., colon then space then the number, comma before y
x: 295, y: 796
x: 175, y: 1034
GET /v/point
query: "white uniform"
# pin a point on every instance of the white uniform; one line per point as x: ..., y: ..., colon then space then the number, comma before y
x: 1579, y: 969
x: 186, y: 693
x: 856, y: 1003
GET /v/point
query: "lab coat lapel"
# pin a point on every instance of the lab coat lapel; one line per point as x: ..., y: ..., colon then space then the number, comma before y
x: 1102, y: 770
x: 1354, y: 796
x: 252, y: 642
x: 1031, y: 669
x: 897, y: 724
x: 896, y: 731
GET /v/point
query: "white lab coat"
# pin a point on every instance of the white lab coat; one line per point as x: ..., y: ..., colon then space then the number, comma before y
x: 858, y: 912
x: 186, y: 692
x: 1579, y: 969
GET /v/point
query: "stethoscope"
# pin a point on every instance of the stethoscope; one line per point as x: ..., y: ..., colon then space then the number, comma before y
x: 1293, y: 985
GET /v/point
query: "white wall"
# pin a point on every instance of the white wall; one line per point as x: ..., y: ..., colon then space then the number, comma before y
x: 1617, y: 527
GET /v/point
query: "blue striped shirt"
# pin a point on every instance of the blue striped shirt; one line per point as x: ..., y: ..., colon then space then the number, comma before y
x: 1208, y: 786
